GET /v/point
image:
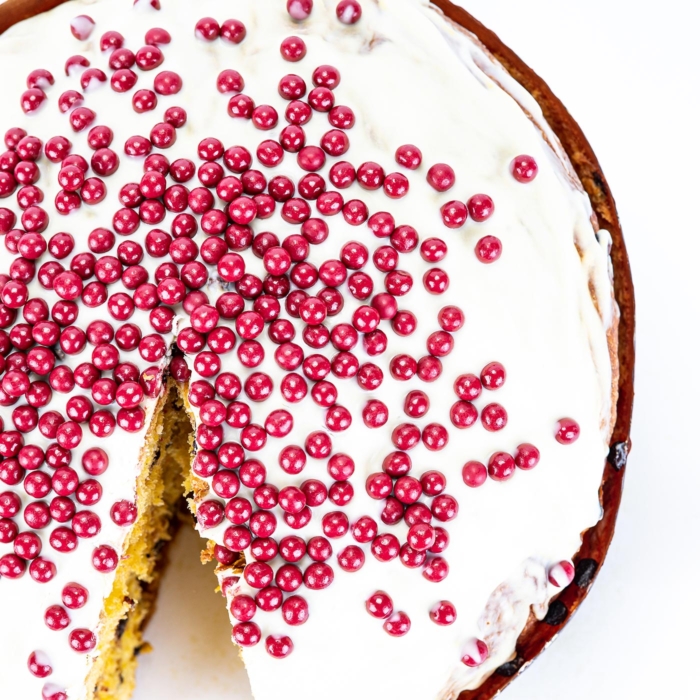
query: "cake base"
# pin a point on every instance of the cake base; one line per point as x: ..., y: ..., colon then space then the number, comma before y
x: 127, y: 608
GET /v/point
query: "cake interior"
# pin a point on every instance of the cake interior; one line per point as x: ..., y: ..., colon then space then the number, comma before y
x: 160, y: 491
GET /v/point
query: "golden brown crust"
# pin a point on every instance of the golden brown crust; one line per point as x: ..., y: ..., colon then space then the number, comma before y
x: 596, y: 541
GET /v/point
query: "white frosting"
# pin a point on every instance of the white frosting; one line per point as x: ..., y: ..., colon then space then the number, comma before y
x: 410, y: 77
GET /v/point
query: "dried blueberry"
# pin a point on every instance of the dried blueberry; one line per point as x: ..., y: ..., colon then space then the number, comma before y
x: 510, y: 668
x: 585, y: 572
x: 556, y: 614
x: 618, y: 454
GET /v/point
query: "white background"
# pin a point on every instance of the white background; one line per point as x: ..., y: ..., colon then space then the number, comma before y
x: 629, y: 73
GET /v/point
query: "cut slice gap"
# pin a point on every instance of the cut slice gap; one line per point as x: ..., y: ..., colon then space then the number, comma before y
x: 193, y: 655
x: 163, y: 493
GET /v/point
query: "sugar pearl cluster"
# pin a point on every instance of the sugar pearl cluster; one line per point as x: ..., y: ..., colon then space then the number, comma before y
x: 219, y: 192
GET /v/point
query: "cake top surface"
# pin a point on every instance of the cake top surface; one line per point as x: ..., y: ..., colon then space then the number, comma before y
x: 380, y: 275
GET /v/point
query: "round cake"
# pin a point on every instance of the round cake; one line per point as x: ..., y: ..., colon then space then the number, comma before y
x: 341, y: 275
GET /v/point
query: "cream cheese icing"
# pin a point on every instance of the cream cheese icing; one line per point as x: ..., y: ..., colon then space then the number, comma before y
x: 411, y: 77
